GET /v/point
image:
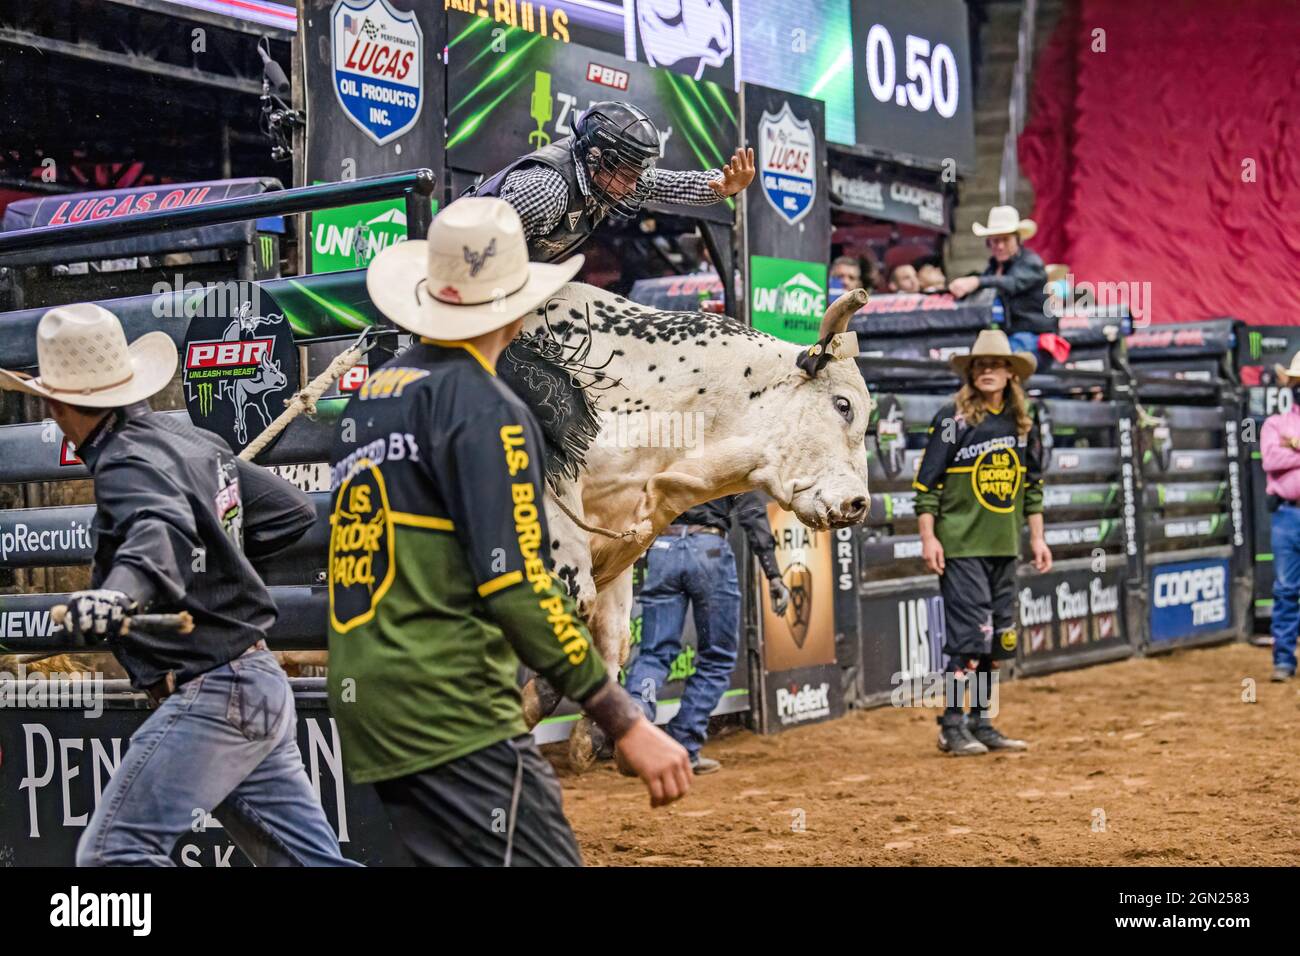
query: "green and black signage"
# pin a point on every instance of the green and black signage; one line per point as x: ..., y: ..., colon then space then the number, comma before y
x: 375, y: 97
x: 511, y: 91
x: 787, y: 215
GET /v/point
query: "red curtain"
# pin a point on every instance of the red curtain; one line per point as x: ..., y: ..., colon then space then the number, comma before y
x: 1169, y: 156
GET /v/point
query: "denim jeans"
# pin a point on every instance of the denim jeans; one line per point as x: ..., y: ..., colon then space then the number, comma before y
x: 1286, y: 585
x: 698, y: 569
x: 224, y: 743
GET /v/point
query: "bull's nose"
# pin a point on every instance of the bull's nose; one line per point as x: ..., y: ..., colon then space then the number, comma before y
x: 854, y: 510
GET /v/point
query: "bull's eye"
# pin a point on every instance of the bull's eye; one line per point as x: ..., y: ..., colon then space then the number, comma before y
x: 845, y: 408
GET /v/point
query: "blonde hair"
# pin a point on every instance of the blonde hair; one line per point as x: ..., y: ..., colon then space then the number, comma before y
x: 972, y: 407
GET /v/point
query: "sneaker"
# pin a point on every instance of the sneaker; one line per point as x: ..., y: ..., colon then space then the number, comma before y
x: 993, y: 739
x: 1281, y: 674
x: 955, y: 739
x: 704, y: 765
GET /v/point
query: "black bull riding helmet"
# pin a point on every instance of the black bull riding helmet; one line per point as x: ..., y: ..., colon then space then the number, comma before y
x: 620, y: 145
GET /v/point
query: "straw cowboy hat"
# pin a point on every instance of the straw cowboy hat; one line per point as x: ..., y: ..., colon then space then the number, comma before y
x: 1003, y: 221
x: 84, y: 360
x: 1289, y: 376
x: 472, y: 275
x: 992, y: 343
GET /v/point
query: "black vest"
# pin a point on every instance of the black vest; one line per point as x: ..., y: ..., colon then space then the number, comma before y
x: 575, y: 225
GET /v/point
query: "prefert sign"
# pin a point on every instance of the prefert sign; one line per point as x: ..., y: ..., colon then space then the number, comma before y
x: 607, y: 76
x: 227, y: 354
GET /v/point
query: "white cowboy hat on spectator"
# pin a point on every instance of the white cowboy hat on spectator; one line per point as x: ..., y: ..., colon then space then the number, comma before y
x: 993, y: 343
x: 1289, y: 376
x: 1004, y: 221
x: 472, y: 275
x: 84, y: 360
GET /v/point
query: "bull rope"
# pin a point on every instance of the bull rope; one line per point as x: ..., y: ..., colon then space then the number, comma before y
x: 590, y: 529
x: 304, y: 400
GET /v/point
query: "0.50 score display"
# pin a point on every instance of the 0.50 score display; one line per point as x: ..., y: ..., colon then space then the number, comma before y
x: 930, y: 68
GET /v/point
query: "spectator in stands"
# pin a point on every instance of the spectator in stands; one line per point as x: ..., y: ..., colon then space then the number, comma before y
x: 929, y: 272
x: 848, y: 272
x: 980, y: 482
x: 902, y: 278
x: 873, y: 279
x: 1280, y: 450
x: 1018, y: 275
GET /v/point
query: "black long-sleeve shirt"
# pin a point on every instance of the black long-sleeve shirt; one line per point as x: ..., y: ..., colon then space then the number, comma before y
x: 748, y: 509
x: 1022, y: 285
x: 179, y: 520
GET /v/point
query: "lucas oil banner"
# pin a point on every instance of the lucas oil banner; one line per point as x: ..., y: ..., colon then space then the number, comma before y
x: 375, y: 104
x: 787, y: 215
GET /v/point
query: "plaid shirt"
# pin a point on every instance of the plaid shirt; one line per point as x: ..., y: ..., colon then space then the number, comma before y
x: 540, y: 196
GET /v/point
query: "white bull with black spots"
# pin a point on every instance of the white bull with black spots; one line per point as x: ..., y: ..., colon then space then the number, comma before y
x: 742, y: 410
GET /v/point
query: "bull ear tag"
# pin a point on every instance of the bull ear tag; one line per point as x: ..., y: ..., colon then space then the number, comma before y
x: 835, y: 345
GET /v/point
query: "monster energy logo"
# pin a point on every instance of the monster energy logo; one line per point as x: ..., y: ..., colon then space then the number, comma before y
x: 542, y: 109
x: 267, y: 244
x: 1256, y: 340
x: 205, y: 398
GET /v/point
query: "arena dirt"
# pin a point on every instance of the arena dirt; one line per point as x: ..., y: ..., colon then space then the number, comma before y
x: 1183, y: 770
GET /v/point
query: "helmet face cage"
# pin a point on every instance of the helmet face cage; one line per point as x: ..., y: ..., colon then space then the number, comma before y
x: 617, y: 155
x: 609, y: 166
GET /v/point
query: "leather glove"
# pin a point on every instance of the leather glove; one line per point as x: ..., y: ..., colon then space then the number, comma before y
x: 97, y: 615
x: 780, y: 595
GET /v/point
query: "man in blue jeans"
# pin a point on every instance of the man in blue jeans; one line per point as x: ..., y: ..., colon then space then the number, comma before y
x: 692, y: 562
x: 1279, y: 444
x: 178, y: 521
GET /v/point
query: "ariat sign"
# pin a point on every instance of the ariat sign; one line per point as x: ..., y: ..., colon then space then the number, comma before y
x: 1189, y: 598
x: 806, y: 703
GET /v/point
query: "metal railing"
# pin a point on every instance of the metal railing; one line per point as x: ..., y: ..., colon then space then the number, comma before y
x: 1009, y: 179
x: 416, y: 186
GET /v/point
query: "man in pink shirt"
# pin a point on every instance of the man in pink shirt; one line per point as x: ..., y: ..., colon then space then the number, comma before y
x: 1280, y: 451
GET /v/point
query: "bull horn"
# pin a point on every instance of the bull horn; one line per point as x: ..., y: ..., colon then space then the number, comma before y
x: 836, y: 319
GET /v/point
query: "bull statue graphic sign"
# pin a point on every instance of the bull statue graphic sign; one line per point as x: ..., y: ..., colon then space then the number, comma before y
x: 238, y: 370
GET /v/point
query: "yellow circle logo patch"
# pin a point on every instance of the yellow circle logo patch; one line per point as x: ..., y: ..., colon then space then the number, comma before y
x: 995, y: 479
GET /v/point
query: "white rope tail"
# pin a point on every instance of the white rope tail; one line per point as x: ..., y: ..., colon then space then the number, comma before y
x: 305, y: 399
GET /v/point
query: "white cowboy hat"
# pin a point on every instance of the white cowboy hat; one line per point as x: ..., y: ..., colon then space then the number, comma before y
x: 84, y: 360
x: 1287, y: 376
x: 1003, y: 221
x: 472, y: 275
x: 992, y: 343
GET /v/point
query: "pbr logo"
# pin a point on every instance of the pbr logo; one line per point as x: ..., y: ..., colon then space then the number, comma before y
x: 238, y: 372
x: 378, y: 67
x: 787, y: 163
